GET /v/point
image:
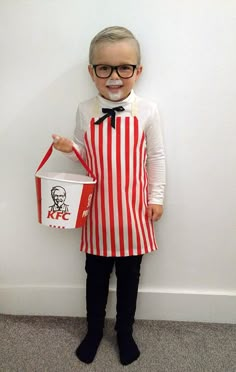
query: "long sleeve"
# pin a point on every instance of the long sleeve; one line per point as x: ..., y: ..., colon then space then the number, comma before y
x: 155, y: 159
x: 78, y: 139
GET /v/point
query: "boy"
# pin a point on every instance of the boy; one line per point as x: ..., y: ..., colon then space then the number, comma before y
x: 119, y: 135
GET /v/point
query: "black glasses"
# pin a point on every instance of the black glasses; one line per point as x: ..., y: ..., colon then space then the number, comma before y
x: 123, y: 71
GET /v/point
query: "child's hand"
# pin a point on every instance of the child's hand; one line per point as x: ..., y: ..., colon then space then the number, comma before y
x: 155, y: 211
x: 62, y: 144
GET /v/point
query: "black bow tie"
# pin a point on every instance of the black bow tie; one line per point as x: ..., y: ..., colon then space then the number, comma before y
x: 109, y: 112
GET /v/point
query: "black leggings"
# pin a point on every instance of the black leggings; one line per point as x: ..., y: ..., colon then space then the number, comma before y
x: 98, y: 270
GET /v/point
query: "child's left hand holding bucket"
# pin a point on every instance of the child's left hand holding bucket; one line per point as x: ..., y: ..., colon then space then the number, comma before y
x: 62, y: 144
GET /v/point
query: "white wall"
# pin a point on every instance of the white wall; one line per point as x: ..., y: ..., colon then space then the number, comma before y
x: 189, y: 70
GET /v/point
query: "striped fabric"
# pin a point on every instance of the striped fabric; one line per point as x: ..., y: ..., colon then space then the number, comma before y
x: 118, y: 224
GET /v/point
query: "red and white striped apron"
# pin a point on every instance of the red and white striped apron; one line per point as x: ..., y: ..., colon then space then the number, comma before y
x: 118, y: 224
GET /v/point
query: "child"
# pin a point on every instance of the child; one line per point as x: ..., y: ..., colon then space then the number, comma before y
x: 119, y: 135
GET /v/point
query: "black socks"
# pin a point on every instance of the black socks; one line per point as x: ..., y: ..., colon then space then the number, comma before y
x: 87, y: 350
x: 129, y: 351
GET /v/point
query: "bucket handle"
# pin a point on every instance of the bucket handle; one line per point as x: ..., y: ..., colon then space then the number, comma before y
x: 49, y: 153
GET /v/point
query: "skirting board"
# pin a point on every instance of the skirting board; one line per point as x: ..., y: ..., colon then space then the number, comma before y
x: 213, y: 307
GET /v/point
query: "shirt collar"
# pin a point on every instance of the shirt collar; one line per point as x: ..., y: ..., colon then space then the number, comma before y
x: 110, y: 104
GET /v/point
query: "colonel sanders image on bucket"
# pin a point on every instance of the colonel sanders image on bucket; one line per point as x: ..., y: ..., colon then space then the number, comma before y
x: 58, y: 194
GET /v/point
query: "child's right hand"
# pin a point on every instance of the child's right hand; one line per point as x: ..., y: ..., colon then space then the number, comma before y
x: 62, y: 144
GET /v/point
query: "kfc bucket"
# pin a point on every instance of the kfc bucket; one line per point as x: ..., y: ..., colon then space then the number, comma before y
x: 63, y: 199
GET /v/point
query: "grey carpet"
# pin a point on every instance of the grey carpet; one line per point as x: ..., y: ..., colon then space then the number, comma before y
x: 40, y: 344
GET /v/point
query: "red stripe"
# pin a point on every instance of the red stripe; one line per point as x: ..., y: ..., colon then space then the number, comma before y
x: 154, y: 247
x: 90, y: 222
x: 86, y: 237
x: 119, y: 189
x: 39, y: 198
x: 127, y: 180
x: 141, y: 201
x: 82, y: 239
x: 103, y: 204
x: 95, y: 201
x: 90, y: 217
x: 146, y: 214
x: 134, y: 193
x: 110, y: 188
x: 88, y: 150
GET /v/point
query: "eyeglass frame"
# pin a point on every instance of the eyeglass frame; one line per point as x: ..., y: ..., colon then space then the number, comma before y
x: 114, y: 68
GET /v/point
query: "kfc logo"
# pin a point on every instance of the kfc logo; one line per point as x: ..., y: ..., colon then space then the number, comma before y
x: 59, y: 210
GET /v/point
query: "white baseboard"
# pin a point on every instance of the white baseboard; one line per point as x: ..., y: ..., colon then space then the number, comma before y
x: 213, y: 307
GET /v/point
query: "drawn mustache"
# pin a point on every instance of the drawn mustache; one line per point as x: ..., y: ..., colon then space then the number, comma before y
x: 113, y: 82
